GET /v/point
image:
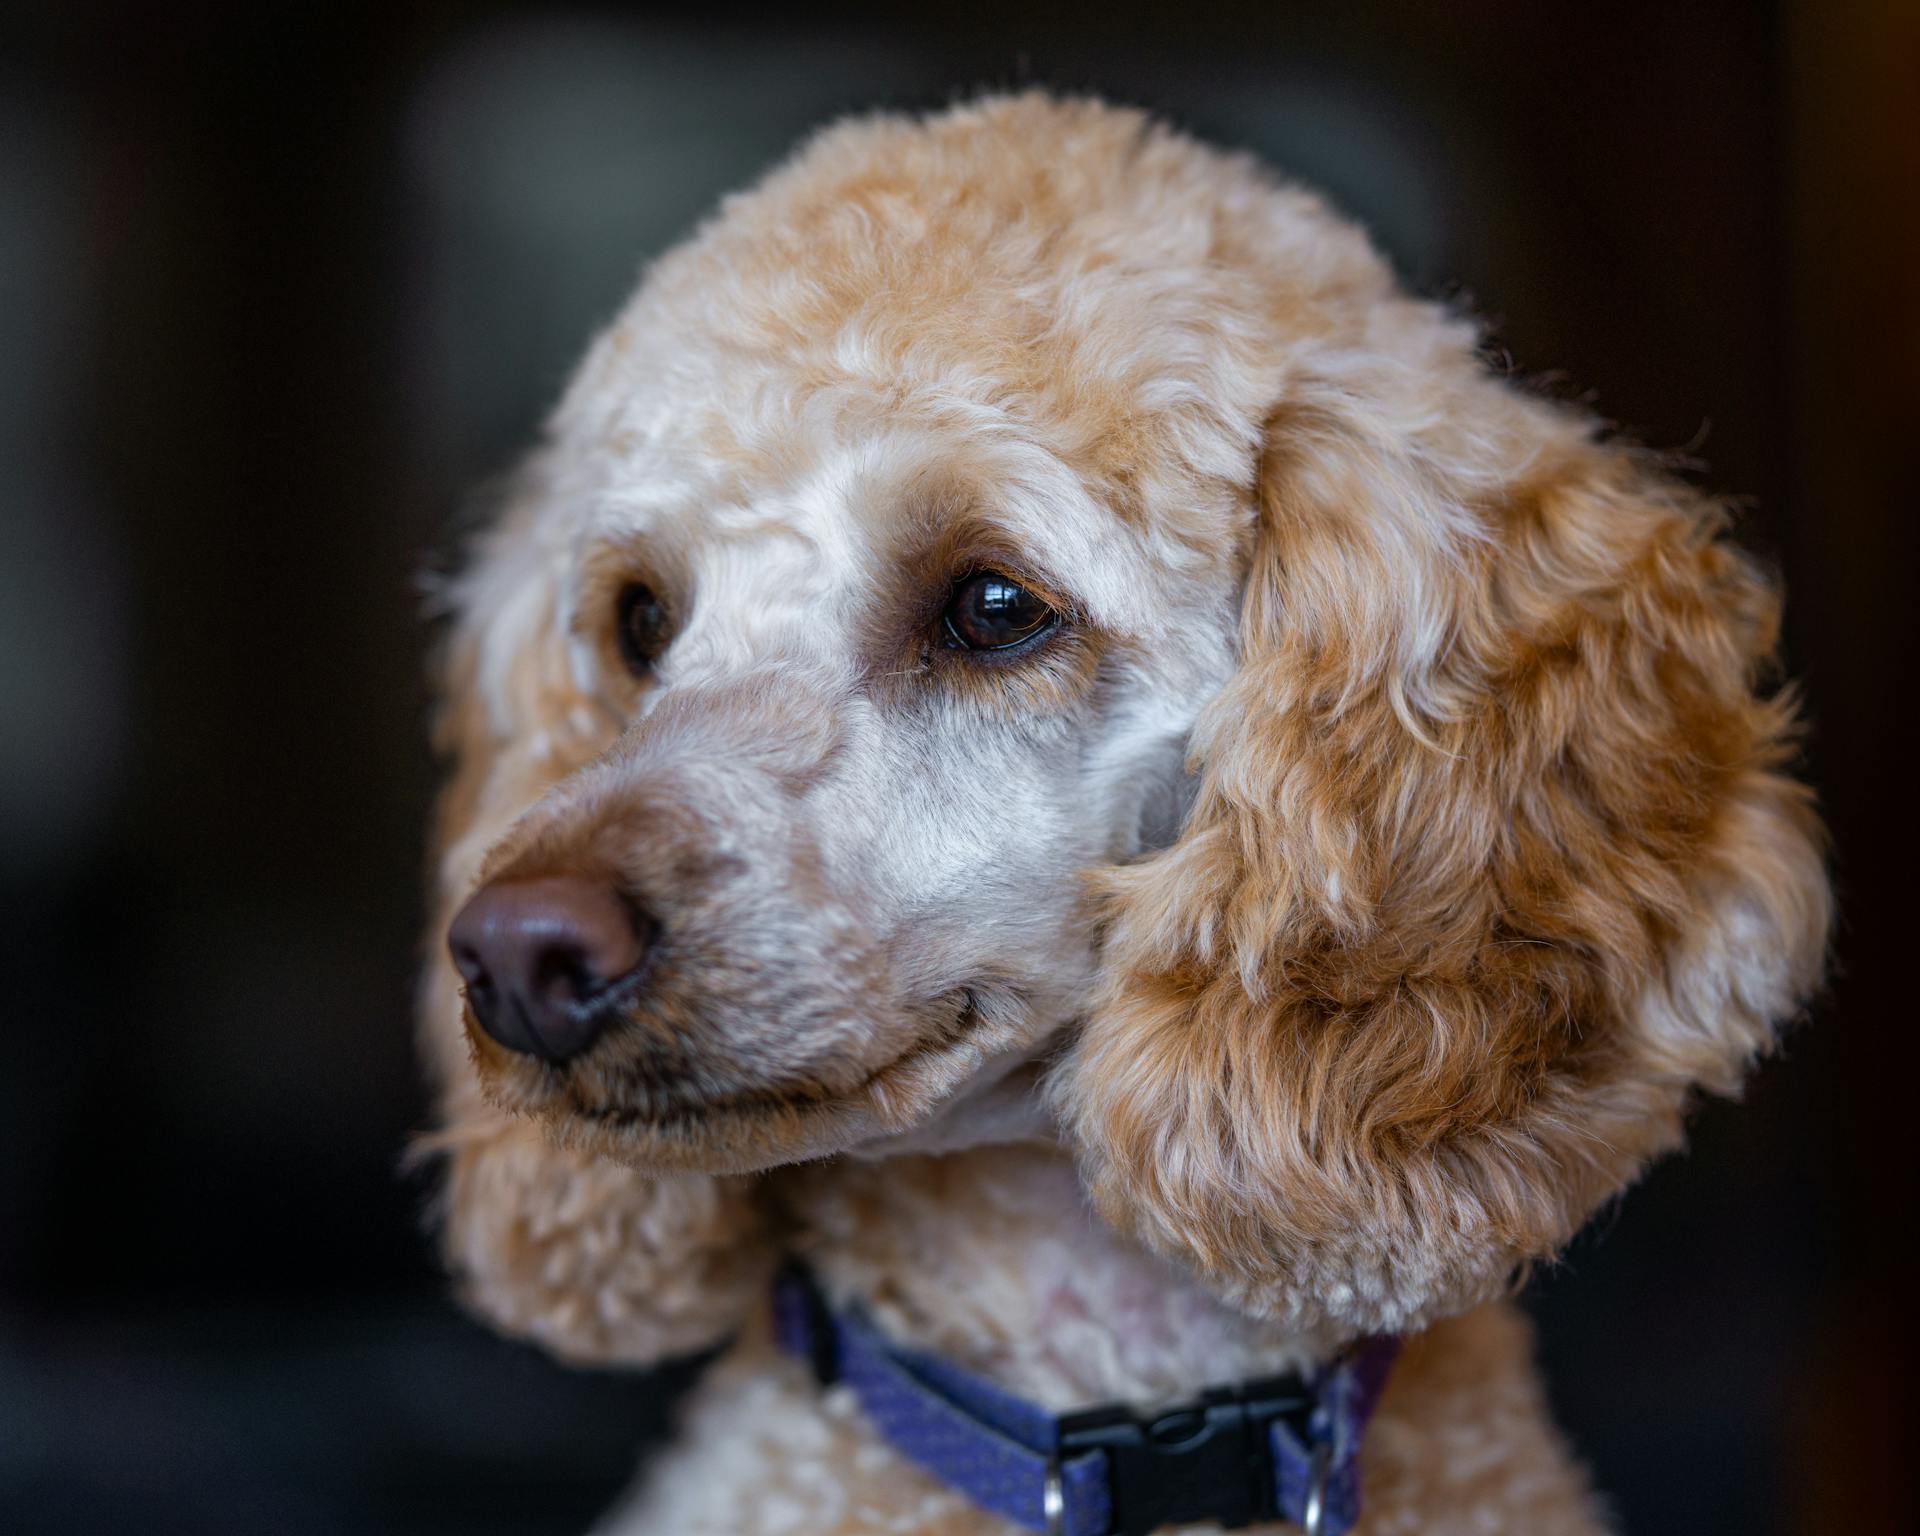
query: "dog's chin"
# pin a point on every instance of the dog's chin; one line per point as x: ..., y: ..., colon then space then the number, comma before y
x: 750, y: 1128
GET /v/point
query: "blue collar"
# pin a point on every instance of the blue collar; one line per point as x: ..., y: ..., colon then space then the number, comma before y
x: 1285, y: 1448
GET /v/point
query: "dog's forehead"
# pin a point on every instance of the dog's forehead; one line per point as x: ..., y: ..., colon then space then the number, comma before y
x: 796, y: 405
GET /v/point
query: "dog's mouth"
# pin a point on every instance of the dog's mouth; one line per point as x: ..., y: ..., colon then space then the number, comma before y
x: 715, y: 1119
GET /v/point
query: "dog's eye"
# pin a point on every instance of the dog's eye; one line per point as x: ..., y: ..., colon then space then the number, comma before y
x: 990, y: 612
x: 643, y: 627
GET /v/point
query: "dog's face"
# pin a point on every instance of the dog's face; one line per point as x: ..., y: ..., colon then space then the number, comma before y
x: 1022, y: 587
x: 883, y: 691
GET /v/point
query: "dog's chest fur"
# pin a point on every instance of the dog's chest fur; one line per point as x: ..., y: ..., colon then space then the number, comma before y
x: 993, y: 1258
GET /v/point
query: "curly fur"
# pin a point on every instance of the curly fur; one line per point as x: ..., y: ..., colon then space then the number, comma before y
x: 1491, y: 863
x: 1344, y: 902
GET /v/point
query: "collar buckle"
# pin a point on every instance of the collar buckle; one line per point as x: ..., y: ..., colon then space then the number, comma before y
x: 1211, y: 1459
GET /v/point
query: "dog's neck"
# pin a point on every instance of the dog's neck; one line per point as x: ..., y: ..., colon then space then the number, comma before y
x: 994, y: 1258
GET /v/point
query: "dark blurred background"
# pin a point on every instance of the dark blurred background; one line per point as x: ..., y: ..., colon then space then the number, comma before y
x: 282, y: 283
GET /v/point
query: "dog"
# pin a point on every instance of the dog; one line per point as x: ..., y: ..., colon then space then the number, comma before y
x: 1040, y: 738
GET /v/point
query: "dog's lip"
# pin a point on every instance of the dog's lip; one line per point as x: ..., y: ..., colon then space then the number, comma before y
x: 698, y: 1134
x: 794, y: 1094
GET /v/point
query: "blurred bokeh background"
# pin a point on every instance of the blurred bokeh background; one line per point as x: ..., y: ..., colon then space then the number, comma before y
x: 282, y: 283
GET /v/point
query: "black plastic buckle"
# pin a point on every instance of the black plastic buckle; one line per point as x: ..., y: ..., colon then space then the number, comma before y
x: 1208, y: 1460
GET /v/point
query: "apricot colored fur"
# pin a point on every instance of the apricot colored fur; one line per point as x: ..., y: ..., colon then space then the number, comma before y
x: 1309, y: 936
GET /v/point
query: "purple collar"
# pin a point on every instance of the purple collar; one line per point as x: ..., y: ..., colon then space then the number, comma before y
x: 1285, y: 1448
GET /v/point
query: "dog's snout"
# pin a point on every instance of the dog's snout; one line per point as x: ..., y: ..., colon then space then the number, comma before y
x: 544, y: 958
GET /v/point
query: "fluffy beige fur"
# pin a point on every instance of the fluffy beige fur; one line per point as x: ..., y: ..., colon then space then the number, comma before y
x: 1341, y: 903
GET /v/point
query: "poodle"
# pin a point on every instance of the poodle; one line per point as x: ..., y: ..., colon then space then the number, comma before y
x: 1073, y: 825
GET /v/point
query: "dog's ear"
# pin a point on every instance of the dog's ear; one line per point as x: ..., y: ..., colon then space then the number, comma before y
x: 595, y: 1261
x: 1493, y: 862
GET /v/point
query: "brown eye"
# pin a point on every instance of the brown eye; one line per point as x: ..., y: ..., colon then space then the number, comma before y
x: 989, y: 612
x: 643, y: 627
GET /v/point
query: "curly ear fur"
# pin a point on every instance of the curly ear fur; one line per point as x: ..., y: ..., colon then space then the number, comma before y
x: 1492, y: 861
x: 597, y: 1262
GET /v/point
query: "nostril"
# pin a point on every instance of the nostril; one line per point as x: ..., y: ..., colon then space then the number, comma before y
x: 566, y: 973
x: 537, y: 953
x: 467, y: 961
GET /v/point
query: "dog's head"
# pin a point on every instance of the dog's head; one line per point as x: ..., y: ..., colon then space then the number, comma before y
x: 1022, y: 587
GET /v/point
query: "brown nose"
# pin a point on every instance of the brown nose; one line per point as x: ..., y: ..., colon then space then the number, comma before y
x: 542, y: 959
